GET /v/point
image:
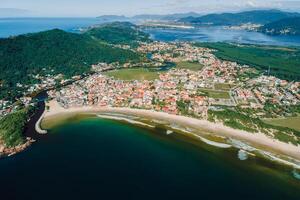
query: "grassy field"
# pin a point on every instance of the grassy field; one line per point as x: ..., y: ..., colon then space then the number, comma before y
x: 223, y: 86
x: 283, y: 61
x: 133, y: 74
x: 215, y: 94
x: 189, y: 65
x: 292, y: 122
x: 242, y: 121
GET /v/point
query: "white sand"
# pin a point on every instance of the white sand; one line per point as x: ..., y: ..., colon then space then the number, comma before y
x: 257, y: 140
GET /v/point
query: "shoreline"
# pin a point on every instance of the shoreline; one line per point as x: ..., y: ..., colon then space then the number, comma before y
x: 37, y: 125
x: 10, y: 151
x: 200, y: 127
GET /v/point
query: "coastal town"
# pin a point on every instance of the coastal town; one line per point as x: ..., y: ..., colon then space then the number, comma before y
x: 178, y: 90
x: 182, y: 90
x: 195, y: 84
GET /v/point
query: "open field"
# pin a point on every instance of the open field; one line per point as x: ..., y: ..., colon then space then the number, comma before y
x: 215, y: 94
x: 292, y: 122
x: 223, y: 86
x: 133, y: 74
x: 283, y: 62
x: 189, y: 65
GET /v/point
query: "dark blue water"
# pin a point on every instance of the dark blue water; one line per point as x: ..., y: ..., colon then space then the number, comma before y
x: 101, y: 159
x: 219, y: 34
x: 12, y: 27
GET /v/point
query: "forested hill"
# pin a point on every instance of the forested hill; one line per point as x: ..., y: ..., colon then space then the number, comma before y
x: 52, y: 52
x: 288, y: 26
x: 119, y: 33
x: 256, y: 16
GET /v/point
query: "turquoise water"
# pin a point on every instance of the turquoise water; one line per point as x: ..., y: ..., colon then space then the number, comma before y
x: 101, y: 159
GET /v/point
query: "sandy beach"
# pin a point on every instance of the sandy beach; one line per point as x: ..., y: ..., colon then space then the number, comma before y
x: 257, y: 140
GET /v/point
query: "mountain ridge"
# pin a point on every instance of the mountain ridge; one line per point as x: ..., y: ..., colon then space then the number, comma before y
x: 254, y: 16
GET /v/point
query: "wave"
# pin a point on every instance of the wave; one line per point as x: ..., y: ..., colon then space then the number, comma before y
x: 209, y: 142
x: 131, y: 121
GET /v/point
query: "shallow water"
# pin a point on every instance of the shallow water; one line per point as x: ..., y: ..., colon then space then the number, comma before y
x: 96, y: 158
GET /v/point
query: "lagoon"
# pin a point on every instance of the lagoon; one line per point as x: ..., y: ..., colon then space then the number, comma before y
x: 219, y: 34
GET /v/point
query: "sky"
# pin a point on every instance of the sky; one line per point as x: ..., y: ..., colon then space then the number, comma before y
x: 93, y: 8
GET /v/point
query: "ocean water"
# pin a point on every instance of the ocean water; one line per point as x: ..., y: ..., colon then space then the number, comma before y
x: 13, y: 27
x: 94, y: 158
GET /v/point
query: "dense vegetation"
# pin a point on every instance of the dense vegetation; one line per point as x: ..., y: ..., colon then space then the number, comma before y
x: 288, y: 26
x: 52, y: 52
x: 12, y: 127
x: 123, y: 33
x: 283, y: 62
x: 257, y: 16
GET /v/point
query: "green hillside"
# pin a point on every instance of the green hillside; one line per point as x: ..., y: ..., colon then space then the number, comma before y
x: 284, y: 62
x: 12, y: 127
x: 288, y: 26
x: 52, y: 52
x: 119, y: 33
x: 255, y: 16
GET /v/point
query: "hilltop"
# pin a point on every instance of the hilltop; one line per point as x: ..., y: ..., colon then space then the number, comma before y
x: 255, y: 17
x: 288, y: 26
x: 123, y: 33
x: 52, y: 52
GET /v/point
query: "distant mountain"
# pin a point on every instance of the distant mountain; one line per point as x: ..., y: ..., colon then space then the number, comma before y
x: 255, y: 17
x: 169, y: 17
x: 111, y: 18
x: 288, y: 26
x: 148, y: 17
x: 52, y: 52
x: 124, y: 33
x: 174, y: 17
x: 145, y: 17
